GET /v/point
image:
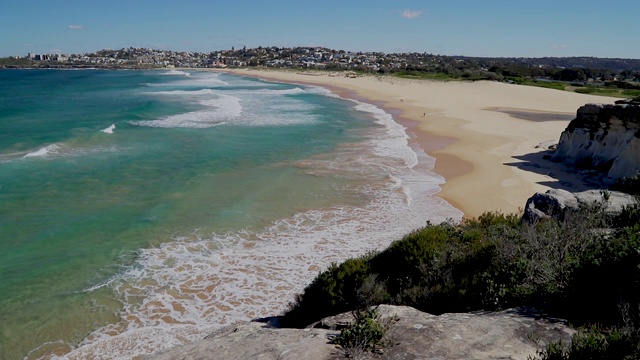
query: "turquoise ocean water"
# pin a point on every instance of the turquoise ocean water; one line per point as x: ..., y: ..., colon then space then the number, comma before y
x: 142, y: 209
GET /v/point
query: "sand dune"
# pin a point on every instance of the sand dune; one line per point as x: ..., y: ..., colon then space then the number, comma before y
x: 483, y: 134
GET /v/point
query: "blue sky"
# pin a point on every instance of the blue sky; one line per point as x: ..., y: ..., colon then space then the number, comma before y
x: 451, y: 27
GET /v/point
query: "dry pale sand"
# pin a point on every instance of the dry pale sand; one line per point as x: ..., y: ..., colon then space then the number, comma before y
x: 482, y: 134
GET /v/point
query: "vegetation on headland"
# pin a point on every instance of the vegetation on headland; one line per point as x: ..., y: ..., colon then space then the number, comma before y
x: 628, y: 185
x: 585, y: 268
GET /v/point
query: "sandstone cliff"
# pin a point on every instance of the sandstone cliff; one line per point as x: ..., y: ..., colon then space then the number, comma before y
x: 510, y: 334
x: 605, y: 138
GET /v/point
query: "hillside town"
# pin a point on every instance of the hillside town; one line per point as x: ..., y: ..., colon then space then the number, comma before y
x: 579, y: 69
x: 314, y: 57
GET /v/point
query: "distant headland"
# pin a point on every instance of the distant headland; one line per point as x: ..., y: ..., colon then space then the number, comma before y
x: 590, y: 75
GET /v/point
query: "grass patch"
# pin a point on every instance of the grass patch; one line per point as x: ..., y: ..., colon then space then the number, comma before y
x: 595, y: 343
x: 603, y: 91
x: 556, y: 85
x: 631, y: 93
x: 592, y: 90
x: 421, y: 75
x: 13, y: 62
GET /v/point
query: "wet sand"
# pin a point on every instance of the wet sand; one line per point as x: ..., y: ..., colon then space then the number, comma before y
x: 481, y: 133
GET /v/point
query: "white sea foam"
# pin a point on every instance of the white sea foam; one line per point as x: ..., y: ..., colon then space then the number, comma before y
x: 182, y: 290
x: 207, y: 81
x: 293, y: 91
x: 280, y: 114
x: 196, y: 79
x: 217, y: 111
x: 320, y: 91
x: 225, y: 108
x: 184, y: 92
x: 176, y: 72
x: 58, y: 150
x: 202, y: 79
x: 395, y: 142
x: 44, y: 151
x: 109, y: 130
x: 272, y: 107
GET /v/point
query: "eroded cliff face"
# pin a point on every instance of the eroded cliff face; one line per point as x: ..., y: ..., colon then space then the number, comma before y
x: 605, y: 138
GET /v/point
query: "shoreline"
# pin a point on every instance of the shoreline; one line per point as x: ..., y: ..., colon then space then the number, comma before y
x: 452, y: 167
x: 483, y: 134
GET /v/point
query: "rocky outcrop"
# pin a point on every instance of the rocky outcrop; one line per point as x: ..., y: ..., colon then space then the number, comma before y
x: 603, y: 137
x: 556, y: 203
x: 510, y: 334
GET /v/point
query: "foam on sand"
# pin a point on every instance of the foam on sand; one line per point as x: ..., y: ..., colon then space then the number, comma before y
x: 396, y: 143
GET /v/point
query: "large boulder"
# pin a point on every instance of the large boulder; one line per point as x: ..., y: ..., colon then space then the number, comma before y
x: 555, y: 203
x: 605, y: 138
x: 510, y: 334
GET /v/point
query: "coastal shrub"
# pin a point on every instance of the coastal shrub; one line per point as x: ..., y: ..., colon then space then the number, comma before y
x: 605, y: 282
x: 435, y: 268
x: 570, y: 269
x: 628, y: 185
x: 402, y: 260
x: 629, y: 216
x: 446, y: 267
x: 595, y: 343
x: 365, y: 334
x: 331, y: 292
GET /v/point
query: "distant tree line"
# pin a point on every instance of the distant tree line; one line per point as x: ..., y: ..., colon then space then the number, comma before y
x: 617, y: 72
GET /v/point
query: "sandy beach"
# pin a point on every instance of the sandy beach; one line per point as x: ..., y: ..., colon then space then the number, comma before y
x: 484, y: 135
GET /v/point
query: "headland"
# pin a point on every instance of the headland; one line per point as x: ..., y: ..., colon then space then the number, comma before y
x: 481, y: 133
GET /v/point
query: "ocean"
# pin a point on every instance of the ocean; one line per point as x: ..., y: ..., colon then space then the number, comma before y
x: 140, y: 210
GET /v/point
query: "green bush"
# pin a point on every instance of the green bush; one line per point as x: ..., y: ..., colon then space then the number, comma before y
x: 331, y: 292
x: 403, y: 260
x: 365, y: 333
x: 569, y: 269
x: 629, y: 216
x: 628, y: 185
x: 606, y: 278
x: 597, y: 344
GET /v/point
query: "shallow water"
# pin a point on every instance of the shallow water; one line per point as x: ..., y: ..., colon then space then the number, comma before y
x: 209, y: 199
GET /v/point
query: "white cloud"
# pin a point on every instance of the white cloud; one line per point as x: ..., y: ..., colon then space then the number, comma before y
x: 411, y: 14
x: 559, y: 46
x: 75, y: 27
